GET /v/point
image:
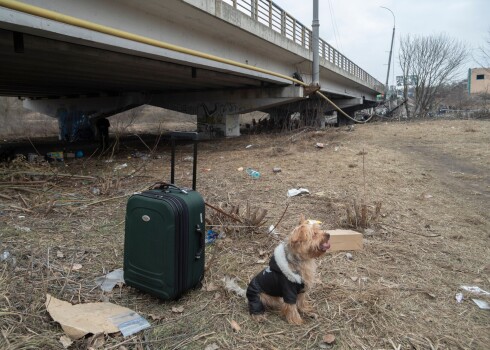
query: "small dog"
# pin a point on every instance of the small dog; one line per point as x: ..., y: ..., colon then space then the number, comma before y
x: 291, y: 273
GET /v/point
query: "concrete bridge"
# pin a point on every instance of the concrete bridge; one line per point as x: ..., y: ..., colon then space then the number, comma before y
x: 82, y: 60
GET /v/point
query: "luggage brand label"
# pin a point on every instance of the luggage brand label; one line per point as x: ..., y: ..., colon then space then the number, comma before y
x: 145, y: 218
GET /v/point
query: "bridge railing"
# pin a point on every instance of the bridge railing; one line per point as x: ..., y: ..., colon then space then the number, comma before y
x: 274, y: 17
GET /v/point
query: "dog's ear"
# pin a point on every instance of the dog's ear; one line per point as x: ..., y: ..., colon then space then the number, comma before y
x: 299, y: 235
x: 302, y: 219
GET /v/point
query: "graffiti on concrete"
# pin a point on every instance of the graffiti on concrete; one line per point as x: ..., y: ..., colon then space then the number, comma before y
x: 74, y: 125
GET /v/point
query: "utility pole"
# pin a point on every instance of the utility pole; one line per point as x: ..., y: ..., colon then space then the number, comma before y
x: 315, y: 69
x: 391, y: 51
x: 316, y: 45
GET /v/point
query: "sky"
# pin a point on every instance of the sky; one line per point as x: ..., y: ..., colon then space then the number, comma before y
x: 362, y: 30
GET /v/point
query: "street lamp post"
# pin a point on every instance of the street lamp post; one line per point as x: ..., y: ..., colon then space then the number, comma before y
x: 391, y: 51
x: 315, y: 45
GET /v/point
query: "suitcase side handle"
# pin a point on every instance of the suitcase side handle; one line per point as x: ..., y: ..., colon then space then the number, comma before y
x: 201, y: 242
x: 165, y: 185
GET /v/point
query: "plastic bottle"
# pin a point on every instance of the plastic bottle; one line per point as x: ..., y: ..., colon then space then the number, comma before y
x: 253, y: 173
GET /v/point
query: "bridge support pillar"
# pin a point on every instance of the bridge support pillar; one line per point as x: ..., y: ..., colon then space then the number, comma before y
x: 209, y: 126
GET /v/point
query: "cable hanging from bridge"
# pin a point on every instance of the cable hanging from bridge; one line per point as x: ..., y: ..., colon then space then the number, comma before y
x: 70, y: 20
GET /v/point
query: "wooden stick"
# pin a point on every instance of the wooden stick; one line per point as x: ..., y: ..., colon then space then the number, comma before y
x: 224, y: 213
x: 4, y: 196
x: 21, y: 209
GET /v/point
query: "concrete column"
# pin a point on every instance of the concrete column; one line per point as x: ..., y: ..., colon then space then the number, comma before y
x: 232, y: 125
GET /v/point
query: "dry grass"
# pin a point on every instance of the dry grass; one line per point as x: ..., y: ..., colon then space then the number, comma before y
x: 431, y: 235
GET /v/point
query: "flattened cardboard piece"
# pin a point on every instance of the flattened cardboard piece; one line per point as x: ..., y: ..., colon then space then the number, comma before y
x: 81, y: 319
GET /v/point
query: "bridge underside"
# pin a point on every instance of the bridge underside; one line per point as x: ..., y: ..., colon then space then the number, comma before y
x: 78, y: 76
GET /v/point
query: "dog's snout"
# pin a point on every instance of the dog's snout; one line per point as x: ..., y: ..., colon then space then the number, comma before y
x: 327, y: 236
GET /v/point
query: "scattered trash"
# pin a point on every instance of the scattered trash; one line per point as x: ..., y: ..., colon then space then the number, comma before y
x: 348, y: 256
x: 79, y: 154
x: 76, y: 267
x: 5, y: 255
x: 459, y: 297
x: 57, y: 156
x: 276, y: 170
x: 319, y: 145
x: 81, y: 319
x: 329, y: 338
x: 354, y: 278
x: 95, y: 191
x: 236, y: 327
x: 70, y: 155
x: 59, y: 254
x: 65, y: 341
x: 212, y: 347
x: 253, y: 173
x: 249, y: 146
x: 297, y: 191
x: 109, y: 281
x: 475, y: 289
x: 261, y: 261
x: 482, y: 304
x: 211, y: 236
x: 129, y: 323
x: 336, y: 148
x: 427, y: 196
x: 272, y: 230
x: 206, y: 170
x: 240, y: 168
x: 22, y: 228
x: 178, y: 310
x: 143, y: 156
x: 188, y: 159
x: 21, y: 216
x: 121, y: 166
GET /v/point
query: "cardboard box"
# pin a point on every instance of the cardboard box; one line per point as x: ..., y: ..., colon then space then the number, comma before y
x: 345, y: 240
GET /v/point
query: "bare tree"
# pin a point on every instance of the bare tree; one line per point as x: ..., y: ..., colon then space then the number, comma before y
x: 431, y: 61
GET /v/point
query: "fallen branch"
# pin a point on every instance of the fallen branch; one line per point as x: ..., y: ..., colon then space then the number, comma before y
x: 224, y: 213
x: 21, y: 209
x: 280, y: 219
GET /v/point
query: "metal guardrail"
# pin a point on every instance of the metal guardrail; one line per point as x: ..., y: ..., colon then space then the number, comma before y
x: 272, y: 16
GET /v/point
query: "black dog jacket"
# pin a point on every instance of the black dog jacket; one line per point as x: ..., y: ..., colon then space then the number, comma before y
x: 276, y: 280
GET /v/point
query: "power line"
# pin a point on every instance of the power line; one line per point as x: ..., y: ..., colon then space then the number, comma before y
x: 334, y: 26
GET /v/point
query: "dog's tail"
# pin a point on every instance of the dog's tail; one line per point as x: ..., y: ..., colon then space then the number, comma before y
x: 232, y: 286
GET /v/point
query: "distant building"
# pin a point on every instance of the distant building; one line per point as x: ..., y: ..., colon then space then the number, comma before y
x: 478, y: 81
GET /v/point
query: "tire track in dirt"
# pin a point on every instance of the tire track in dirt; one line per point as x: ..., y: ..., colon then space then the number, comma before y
x: 460, y: 176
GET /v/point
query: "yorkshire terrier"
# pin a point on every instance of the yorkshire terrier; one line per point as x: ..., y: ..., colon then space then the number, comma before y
x: 290, y: 275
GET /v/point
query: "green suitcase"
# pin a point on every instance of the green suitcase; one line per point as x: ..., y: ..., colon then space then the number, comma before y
x: 164, y: 239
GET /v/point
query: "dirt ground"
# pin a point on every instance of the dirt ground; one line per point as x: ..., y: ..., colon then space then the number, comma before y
x: 63, y: 225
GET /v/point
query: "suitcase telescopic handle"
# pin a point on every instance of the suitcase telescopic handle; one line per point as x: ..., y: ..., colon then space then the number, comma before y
x: 201, y: 242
